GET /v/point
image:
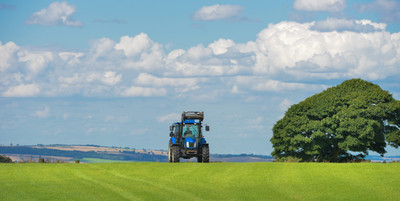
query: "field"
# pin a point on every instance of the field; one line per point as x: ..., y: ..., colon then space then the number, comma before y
x: 193, y: 181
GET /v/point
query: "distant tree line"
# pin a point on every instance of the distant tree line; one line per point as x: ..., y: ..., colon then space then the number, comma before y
x: 124, y: 156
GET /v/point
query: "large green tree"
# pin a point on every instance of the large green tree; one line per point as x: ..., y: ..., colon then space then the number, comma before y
x: 339, y: 124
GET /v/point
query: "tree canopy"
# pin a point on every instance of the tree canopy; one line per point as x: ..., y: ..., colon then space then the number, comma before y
x: 5, y: 159
x: 340, y: 124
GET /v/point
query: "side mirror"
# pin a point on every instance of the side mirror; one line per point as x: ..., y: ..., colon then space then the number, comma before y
x: 207, y: 128
x: 171, y: 128
x: 171, y: 134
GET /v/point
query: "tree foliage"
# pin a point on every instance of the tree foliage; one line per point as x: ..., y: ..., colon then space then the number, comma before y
x: 352, y: 118
x: 5, y: 159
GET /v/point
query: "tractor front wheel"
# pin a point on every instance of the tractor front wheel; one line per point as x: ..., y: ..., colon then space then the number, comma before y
x: 205, y: 154
x: 175, y: 154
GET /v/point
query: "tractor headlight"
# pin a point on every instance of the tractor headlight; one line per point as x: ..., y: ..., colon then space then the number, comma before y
x: 187, y: 144
x: 194, y: 145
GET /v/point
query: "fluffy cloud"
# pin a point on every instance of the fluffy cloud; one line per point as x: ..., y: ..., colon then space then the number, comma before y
x: 111, y: 78
x: 275, y: 85
x: 22, y: 90
x: 133, y: 46
x: 320, y: 5
x: 7, y: 52
x: 333, y: 24
x: 71, y: 58
x: 296, y: 49
x: 57, y: 13
x: 150, y: 80
x: 221, y: 46
x: 141, y: 51
x: 144, y: 91
x: 180, y: 85
x: 35, y: 61
x: 137, y: 66
x: 217, y: 12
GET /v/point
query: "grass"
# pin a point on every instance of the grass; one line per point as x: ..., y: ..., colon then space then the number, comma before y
x: 192, y: 181
x: 99, y: 160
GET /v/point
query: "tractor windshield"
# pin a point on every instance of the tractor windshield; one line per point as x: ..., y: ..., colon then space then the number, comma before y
x: 190, y: 130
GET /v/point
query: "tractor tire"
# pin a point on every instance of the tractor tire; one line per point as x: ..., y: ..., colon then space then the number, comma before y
x: 170, y: 151
x: 205, y: 154
x: 175, y: 154
x: 199, y: 159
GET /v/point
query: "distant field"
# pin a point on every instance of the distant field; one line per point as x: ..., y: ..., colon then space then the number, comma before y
x: 98, y: 160
x: 193, y: 181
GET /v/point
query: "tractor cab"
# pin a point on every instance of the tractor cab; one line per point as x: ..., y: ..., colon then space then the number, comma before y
x: 187, y: 137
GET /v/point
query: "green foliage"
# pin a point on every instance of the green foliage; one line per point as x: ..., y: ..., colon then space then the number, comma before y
x: 192, y: 181
x: 355, y: 116
x: 5, y: 159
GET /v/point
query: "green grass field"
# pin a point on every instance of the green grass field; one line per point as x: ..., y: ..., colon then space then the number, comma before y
x: 192, y: 181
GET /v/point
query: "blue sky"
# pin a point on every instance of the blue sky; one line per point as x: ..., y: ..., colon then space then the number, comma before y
x: 119, y: 73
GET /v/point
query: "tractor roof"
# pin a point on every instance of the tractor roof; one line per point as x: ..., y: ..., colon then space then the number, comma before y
x: 189, y: 121
x: 192, y: 115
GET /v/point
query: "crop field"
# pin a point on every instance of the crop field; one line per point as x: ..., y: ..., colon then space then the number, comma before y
x: 193, y: 181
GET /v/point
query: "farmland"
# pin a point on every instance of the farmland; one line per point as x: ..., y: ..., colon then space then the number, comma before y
x: 193, y: 181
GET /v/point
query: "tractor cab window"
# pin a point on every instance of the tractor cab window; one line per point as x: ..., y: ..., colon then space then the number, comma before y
x: 176, y: 130
x: 190, y: 130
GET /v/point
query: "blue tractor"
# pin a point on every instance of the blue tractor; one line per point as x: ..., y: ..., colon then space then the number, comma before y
x: 187, y: 138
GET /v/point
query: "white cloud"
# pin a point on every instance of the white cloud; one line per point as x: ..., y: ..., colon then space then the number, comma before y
x: 23, y: 90
x: 71, y: 58
x: 320, y: 5
x: 221, y: 46
x: 217, y: 12
x: 181, y: 85
x: 169, y: 117
x: 200, y: 61
x: 275, y: 85
x: 333, y: 24
x: 111, y: 78
x: 141, y: 52
x: 35, y: 61
x: 150, y: 80
x: 295, y: 49
x: 133, y: 46
x: 57, y: 13
x: 285, y: 104
x: 283, y: 51
x: 144, y: 91
x: 101, y: 48
x: 7, y: 56
x: 43, y: 113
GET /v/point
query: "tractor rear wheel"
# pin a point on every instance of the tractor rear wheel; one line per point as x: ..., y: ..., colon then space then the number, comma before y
x: 175, y: 154
x: 205, y: 154
x: 170, y: 151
